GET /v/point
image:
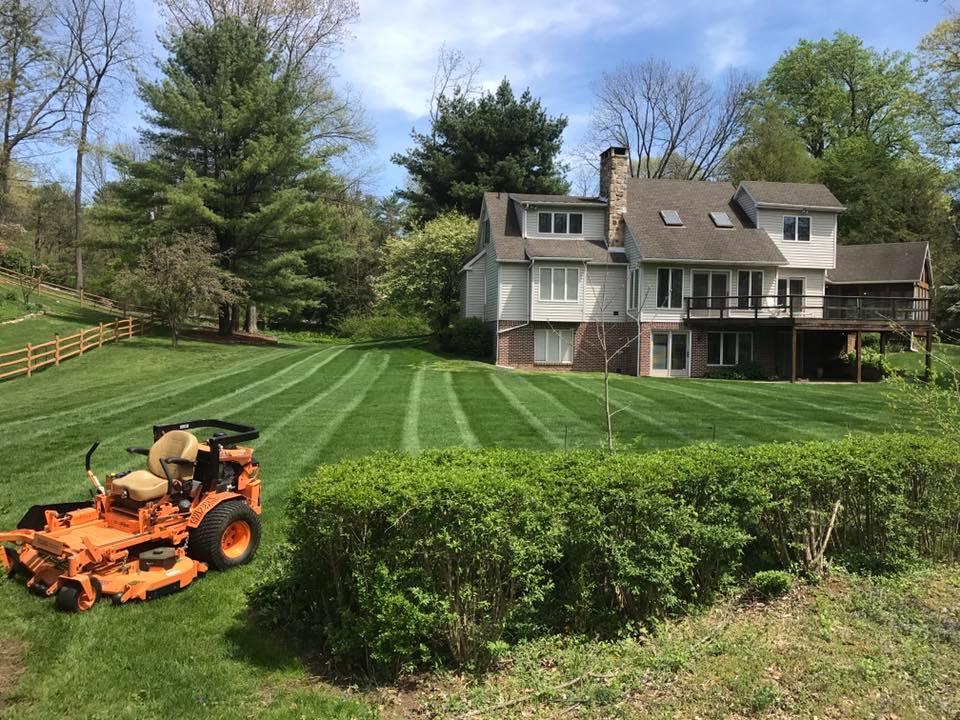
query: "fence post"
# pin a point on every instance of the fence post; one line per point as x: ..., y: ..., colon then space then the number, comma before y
x: 81, y: 341
x: 81, y: 296
x: 100, y: 339
x: 29, y: 359
x: 56, y: 350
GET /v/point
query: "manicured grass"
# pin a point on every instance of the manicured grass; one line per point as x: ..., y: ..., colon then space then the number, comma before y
x: 946, y: 358
x: 61, y: 316
x: 197, y: 654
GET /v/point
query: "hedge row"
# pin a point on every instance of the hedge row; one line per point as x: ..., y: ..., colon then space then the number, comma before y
x: 396, y: 561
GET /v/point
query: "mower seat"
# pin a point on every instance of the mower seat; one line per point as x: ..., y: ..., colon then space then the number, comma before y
x: 151, y: 484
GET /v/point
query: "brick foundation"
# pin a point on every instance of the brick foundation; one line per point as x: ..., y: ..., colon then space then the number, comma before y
x: 516, y: 346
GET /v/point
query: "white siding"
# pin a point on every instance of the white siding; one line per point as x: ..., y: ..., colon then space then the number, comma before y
x: 491, y: 278
x: 814, y: 284
x: 594, y: 222
x: 558, y: 311
x: 631, y: 246
x: 605, y: 293
x: 819, y: 252
x: 514, y: 291
x: 471, y: 292
x: 746, y: 202
x: 648, y: 289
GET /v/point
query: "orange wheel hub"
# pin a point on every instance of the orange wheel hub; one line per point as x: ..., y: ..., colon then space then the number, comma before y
x: 85, y: 602
x: 236, y: 539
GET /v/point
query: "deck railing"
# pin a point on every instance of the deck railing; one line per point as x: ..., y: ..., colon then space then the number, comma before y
x: 826, y: 307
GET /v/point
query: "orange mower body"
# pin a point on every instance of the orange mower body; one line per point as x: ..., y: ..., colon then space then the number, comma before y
x: 147, y: 533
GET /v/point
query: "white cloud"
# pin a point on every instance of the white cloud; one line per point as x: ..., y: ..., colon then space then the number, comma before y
x: 726, y: 45
x: 392, y: 57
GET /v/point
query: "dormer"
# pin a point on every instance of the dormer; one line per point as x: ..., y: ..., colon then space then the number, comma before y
x: 560, y: 217
x: 800, y: 218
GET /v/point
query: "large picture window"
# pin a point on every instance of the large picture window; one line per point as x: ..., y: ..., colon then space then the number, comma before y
x: 559, y: 284
x: 553, y: 347
x: 792, y: 288
x: 669, y: 287
x: 729, y: 348
x: 710, y: 289
x: 796, y: 227
x: 560, y: 223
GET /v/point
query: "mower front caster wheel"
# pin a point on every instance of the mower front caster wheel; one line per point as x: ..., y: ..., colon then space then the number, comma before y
x: 71, y: 598
x: 228, y: 536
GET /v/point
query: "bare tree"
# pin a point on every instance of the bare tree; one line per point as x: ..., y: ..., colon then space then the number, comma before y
x: 36, y: 77
x: 675, y: 123
x: 102, y: 33
x: 455, y: 75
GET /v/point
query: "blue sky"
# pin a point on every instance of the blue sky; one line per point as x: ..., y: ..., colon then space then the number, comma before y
x: 557, y: 48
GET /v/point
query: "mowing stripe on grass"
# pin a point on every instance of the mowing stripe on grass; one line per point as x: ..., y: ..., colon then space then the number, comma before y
x: 563, y: 411
x: 267, y: 434
x: 123, y: 409
x: 532, y: 420
x: 459, y: 416
x: 760, y: 392
x: 326, y: 434
x: 157, y: 391
x: 726, y: 410
x: 644, y: 418
x: 411, y: 419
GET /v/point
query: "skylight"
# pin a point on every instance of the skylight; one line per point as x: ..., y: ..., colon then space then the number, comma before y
x: 721, y: 219
x: 670, y: 217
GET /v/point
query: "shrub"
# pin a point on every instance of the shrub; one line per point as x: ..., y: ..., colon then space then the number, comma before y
x: 467, y: 336
x: 400, y: 561
x: 742, y: 371
x: 768, y: 584
x: 382, y: 325
x: 870, y: 359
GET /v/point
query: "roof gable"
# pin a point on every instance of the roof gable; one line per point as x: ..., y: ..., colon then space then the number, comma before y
x: 880, y: 263
x: 791, y: 195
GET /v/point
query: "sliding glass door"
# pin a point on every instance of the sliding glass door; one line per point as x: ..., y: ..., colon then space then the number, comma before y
x: 669, y: 354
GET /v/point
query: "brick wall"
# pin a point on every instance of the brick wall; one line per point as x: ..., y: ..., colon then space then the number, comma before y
x: 516, y: 346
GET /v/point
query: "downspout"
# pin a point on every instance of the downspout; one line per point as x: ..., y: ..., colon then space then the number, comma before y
x: 637, y: 316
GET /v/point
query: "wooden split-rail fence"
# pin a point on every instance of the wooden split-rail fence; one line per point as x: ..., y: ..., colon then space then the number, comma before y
x: 45, y: 287
x: 30, y: 358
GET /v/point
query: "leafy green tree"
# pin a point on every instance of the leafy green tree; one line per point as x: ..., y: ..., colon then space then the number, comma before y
x: 837, y: 88
x: 770, y: 149
x: 421, y: 269
x: 233, y: 155
x: 939, y: 55
x: 494, y: 142
x: 178, y: 278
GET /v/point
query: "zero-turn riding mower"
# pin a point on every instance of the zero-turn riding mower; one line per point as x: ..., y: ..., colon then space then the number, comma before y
x: 148, y: 532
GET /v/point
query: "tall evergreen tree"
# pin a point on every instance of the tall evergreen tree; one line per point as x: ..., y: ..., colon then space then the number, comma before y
x: 230, y: 134
x: 494, y: 142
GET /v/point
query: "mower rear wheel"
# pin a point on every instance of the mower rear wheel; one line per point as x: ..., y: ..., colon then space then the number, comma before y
x: 228, y: 536
x: 71, y: 598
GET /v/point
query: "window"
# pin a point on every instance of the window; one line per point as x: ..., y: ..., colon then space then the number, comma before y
x: 749, y: 289
x: 710, y: 290
x: 485, y: 232
x: 552, y: 346
x: 559, y: 284
x: 634, y: 288
x: 669, y: 287
x: 796, y: 227
x: 792, y: 288
x: 668, y: 353
x: 729, y: 348
x: 670, y: 217
x: 721, y: 219
x: 560, y: 223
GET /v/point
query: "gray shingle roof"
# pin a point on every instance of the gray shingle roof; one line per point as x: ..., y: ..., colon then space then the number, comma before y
x: 557, y: 199
x: 883, y: 262
x: 698, y: 238
x: 509, y: 244
x: 806, y: 195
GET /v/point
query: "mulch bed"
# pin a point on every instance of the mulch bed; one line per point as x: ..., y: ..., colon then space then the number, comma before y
x: 238, y: 338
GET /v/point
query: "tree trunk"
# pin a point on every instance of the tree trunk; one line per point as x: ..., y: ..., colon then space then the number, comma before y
x: 224, y: 321
x: 235, y: 318
x: 78, y: 192
x: 250, y: 318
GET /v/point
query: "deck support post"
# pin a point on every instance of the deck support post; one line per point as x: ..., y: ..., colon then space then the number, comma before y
x: 883, y: 343
x: 928, y: 355
x: 793, y: 354
x: 859, y: 356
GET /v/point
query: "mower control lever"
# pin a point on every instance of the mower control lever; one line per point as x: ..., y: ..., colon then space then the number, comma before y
x: 90, y: 452
x: 93, y: 478
x: 166, y: 462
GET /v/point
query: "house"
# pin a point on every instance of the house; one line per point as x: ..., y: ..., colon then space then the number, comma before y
x: 675, y: 278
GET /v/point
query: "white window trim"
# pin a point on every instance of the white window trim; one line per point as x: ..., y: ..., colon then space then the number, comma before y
x: 552, y: 268
x: 683, y: 279
x: 788, y: 278
x: 710, y: 293
x: 551, y: 231
x: 736, y: 345
x: 670, y: 372
x: 796, y: 229
x: 561, y: 332
x: 750, y: 295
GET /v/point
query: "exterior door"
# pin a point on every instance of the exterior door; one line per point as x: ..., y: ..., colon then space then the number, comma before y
x: 670, y: 354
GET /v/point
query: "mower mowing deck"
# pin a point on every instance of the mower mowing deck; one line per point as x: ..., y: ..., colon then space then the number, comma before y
x: 148, y: 532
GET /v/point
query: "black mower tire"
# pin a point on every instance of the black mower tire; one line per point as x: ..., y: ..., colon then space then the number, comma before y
x: 69, y: 594
x: 13, y: 559
x: 206, y: 542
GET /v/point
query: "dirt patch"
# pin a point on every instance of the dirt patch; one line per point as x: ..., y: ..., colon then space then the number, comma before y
x: 11, y: 668
x: 238, y: 338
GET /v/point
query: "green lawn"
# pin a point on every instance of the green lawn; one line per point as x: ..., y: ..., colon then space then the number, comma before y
x: 196, y: 654
x: 946, y: 358
x: 60, y: 316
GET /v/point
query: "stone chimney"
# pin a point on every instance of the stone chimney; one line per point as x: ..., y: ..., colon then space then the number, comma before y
x: 614, y: 169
